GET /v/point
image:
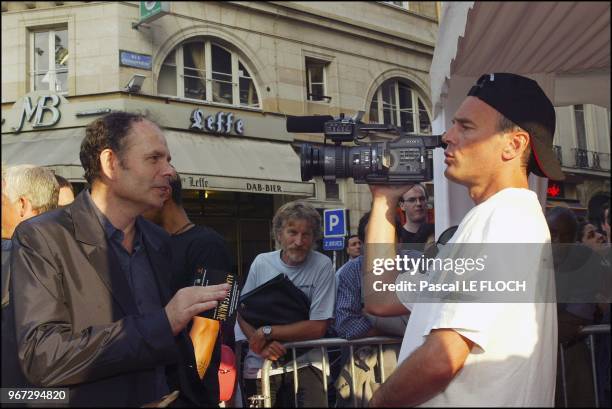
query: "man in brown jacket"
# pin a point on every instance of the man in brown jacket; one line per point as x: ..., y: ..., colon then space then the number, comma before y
x: 94, y: 312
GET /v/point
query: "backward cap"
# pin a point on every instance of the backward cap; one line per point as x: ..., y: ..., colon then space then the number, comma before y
x: 523, y: 102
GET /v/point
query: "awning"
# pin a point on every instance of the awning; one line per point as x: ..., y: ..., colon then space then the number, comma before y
x: 564, y: 46
x: 208, y: 162
x: 205, y: 162
x: 44, y: 148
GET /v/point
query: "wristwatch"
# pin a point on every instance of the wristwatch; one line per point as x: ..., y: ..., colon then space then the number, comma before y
x: 267, y: 331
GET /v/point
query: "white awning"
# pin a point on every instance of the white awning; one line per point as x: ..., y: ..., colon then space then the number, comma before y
x: 44, y: 148
x: 241, y: 165
x: 205, y: 162
x: 564, y: 46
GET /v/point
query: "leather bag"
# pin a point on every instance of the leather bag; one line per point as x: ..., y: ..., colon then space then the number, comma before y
x: 275, y: 302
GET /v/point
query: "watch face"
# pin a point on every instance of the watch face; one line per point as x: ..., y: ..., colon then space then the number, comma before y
x: 267, y: 330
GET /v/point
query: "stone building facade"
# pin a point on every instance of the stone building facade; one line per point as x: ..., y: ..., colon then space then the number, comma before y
x: 253, y: 63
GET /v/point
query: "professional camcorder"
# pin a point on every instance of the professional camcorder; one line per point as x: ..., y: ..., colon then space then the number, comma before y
x: 408, y: 158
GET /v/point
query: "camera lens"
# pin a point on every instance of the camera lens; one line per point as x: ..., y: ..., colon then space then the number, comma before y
x: 338, y: 162
x: 311, y: 164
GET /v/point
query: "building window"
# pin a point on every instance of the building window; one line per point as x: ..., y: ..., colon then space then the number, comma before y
x: 221, y: 75
x: 50, y: 60
x: 166, y: 83
x: 580, y: 127
x: 315, y: 80
x: 206, y: 71
x: 248, y: 94
x: 332, y: 191
x: 193, y: 71
x: 397, y: 103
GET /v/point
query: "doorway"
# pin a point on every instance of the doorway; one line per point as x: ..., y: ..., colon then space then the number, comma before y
x: 244, y: 220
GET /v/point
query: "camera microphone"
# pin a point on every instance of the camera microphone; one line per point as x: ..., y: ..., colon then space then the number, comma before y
x: 307, y: 124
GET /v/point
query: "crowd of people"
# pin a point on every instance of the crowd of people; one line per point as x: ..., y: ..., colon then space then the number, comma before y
x: 98, y: 294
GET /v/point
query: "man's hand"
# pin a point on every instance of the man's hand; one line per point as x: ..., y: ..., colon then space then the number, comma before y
x: 257, y: 341
x: 190, y: 301
x: 381, y: 230
x: 273, y: 351
x: 392, y: 192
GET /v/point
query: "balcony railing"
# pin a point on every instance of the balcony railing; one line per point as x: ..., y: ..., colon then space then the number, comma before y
x: 581, y: 159
x: 585, y: 159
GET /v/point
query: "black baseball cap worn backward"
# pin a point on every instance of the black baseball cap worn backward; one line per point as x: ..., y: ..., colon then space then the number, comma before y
x: 523, y: 102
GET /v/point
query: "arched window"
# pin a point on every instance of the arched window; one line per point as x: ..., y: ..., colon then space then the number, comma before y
x: 396, y: 102
x: 206, y: 71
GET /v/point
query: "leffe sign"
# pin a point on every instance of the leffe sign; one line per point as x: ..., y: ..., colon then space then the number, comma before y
x: 221, y: 122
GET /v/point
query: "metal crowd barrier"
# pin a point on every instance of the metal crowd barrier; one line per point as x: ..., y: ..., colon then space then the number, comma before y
x: 324, y: 344
x: 588, y: 332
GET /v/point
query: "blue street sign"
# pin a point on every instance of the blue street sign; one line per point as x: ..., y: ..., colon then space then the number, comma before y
x: 136, y: 60
x: 334, y: 223
x: 333, y: 243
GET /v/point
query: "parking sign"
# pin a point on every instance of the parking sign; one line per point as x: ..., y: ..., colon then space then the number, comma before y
x: 334, y: 223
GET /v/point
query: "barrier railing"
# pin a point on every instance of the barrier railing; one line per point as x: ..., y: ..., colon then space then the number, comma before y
x: 586, y: 333
x: 324, y: 344
x: 589, y: 332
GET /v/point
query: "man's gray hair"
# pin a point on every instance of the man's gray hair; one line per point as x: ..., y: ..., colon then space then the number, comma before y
x: 297, y: 211
x: 35, y: 183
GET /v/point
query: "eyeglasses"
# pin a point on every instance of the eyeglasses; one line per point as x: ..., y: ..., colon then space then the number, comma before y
x: 413, y: 200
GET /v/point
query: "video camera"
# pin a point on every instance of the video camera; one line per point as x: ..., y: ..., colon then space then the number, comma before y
x: 406, y: 159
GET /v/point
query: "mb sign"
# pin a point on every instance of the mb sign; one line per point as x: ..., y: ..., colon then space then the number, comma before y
x: 334, y: 222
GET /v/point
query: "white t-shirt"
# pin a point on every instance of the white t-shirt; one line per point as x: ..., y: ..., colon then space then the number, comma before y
x: 315, y: 277
x: 513, y: 361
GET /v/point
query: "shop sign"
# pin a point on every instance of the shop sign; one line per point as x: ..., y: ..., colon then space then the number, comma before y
x: 152, y: 10
x: 191, y: 182
x: 221, y: 122
x: 264, y: 187
x: 237, y: 184
x: 36, y: 112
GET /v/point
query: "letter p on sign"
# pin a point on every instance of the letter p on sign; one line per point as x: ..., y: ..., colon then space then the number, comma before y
x: 334, y: 220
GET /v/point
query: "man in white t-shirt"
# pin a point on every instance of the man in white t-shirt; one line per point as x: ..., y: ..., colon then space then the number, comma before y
x: 297, y: 226
x: 483, y: 354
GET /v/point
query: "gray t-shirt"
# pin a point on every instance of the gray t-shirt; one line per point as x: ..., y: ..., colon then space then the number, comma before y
x: 315, y: 277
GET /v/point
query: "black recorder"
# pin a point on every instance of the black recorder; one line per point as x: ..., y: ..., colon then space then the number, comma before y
x: 397, y: 159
